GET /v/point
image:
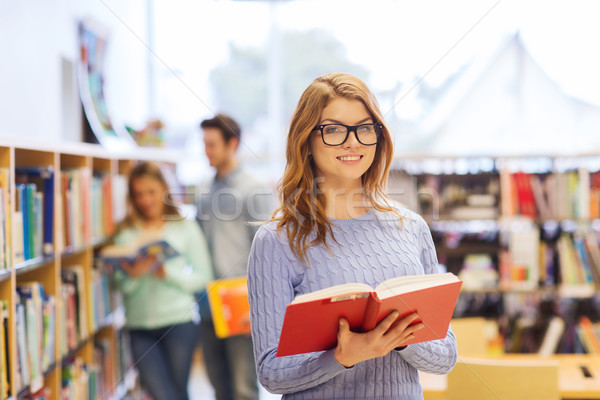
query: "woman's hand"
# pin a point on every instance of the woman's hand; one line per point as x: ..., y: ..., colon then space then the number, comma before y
x: 353, y: 348
x: 140, y: 267
x: 160, y: 272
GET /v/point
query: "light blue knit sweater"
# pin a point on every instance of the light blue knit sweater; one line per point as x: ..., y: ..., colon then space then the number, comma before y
x: 370, y: 249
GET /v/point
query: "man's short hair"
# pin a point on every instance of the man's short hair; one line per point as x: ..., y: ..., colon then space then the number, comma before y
x: 227, y: 125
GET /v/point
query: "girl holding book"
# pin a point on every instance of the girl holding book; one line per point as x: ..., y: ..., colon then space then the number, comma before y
x: 336, y: 225
x: 159, y: 296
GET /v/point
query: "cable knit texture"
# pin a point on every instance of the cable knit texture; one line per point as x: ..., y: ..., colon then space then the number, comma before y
x: 369, y: 249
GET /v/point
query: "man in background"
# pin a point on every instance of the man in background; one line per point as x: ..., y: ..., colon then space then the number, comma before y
x: 226, y: 205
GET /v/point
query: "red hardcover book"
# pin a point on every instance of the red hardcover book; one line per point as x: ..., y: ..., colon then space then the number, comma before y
x: 311, y: 320
x: 527, y: 205
x: 108, y: 215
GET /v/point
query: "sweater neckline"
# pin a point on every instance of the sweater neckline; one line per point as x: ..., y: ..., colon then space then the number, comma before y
x: 347, y: 221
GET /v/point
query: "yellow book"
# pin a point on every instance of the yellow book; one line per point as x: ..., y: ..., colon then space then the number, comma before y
x: 5, y: 183
x: 3, y: 350
x: 229, y: 306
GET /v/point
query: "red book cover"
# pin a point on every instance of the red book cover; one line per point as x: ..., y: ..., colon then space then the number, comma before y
x: 311, y: 321
x: 525, y: 194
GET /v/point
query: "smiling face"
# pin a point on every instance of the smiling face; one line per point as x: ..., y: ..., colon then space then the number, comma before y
x: 343, y: 165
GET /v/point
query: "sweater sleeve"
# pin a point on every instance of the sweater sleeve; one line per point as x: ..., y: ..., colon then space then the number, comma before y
x: 271, y: 279
x: 198, y: 270
x: 436, y: 356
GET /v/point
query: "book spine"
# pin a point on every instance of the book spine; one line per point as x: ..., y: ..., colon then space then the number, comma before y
x: 31, y: 219
x: 38, y: 231
x: 25, y: 216
x: 49, y: 215
x: 371, y: 312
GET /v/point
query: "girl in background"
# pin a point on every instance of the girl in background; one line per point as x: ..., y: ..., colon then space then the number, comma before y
x: 159, y: 301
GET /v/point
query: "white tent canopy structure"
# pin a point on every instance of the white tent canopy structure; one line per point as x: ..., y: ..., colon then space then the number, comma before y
x: 507, y: 105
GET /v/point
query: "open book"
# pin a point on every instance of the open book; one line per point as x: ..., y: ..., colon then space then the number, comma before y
x: 311, y: 320
x: 113, y: 255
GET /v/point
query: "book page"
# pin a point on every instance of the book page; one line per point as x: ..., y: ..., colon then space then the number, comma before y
x: 130, y: 250
x: 406, y: 284
x: 115, y: 251
x: 334, y: 291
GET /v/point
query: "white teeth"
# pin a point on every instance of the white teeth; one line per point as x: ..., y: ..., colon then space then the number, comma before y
x: 353, y: 158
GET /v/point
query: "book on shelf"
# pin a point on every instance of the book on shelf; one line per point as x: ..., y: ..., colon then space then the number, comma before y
x: 73, y: 275
x: 75, y: 380
x: 4, y: 249
x: 587, y: 335
x: 43, y: 179
x: 68, y: 318
x: 595, y: 195
x: 229, y: 307
x: 25, y: 206
x: 49, y: 329
x: 99, y: 307
x: 4, y: 351
x: 104, y: 357
x: 119, y: 197
x: 6, y: 228
x: 147, y: 246
x: 38, y: 310
x: 101, y: 206
x: 519, y: 265
x: 311, y: 320
x: 552, y: 336
x: 576, y: 277
x: 525, y: 194
x: 75, y: 192
x: 22, y: 372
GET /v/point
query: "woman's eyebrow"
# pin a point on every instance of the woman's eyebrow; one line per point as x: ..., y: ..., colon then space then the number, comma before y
x: 335, y: 121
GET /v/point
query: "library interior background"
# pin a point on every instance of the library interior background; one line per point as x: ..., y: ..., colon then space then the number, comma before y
x: 493, y: 106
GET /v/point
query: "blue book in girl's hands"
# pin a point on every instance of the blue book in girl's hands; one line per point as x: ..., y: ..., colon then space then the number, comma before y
x: 112, y: 256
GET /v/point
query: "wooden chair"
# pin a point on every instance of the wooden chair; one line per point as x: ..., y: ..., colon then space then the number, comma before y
x: 496, y: 379
x: 473, y: 334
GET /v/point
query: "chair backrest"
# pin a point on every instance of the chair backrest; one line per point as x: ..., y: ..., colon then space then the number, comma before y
x: 472, y: 335
x: 496, y: 379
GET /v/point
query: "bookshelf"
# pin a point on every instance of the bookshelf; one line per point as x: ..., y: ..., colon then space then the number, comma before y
x: 522, y: 232
x: 61, y: 323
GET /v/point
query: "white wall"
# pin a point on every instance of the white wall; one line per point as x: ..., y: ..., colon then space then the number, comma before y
x: 37, y: 36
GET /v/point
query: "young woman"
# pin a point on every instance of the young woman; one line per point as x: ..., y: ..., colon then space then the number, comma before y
x: 159, y: 301
x: 335, y: 225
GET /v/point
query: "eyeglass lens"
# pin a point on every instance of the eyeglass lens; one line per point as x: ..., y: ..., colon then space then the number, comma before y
x: 336, y: 134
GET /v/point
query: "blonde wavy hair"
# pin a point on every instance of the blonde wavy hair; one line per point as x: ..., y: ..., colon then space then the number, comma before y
x: 302, y: 208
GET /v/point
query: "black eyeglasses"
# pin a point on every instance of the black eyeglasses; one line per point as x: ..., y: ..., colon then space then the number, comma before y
x: 337, y: 134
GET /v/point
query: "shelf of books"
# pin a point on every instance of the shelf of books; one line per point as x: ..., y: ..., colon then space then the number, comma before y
x: 60, y: 322
x: 523, y: 235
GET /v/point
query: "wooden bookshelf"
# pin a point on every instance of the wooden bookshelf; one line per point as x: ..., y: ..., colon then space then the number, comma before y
x: 97, y: 167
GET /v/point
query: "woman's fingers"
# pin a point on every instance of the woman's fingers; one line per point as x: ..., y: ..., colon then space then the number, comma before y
x: 402, y: 331
x: 391, y: 332
x: 386, y: 323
